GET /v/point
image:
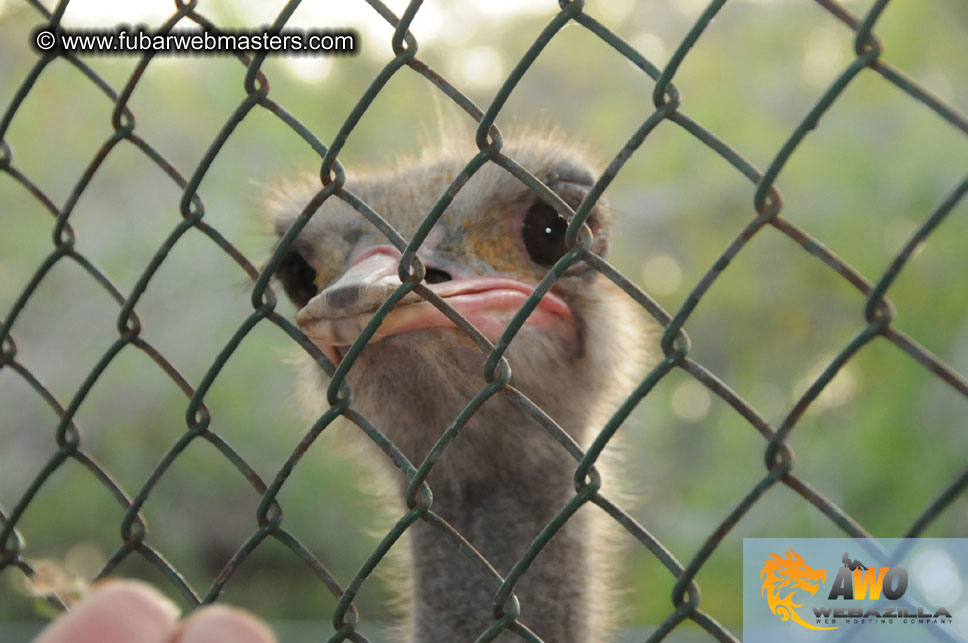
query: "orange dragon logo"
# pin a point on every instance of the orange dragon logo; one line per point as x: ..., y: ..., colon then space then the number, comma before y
x: 790, y: 572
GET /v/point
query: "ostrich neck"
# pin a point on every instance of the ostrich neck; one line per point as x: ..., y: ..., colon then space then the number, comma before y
x: 499, y: 499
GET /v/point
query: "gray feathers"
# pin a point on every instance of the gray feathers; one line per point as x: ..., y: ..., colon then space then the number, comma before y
x: 504, y: 477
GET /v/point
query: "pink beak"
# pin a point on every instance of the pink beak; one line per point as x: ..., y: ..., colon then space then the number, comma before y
x: 334, y: 318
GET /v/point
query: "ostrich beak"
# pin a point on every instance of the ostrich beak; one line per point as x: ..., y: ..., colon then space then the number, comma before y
x: 335, y: 317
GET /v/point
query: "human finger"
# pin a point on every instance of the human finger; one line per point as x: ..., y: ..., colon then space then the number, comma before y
x: 118, y: 611
x: 221, y: 624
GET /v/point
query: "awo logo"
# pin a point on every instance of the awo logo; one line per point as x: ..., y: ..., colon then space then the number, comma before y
x: 856, y: 581
x: 783, y: 577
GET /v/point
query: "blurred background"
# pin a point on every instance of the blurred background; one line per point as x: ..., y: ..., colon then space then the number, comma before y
x: 882, y: 441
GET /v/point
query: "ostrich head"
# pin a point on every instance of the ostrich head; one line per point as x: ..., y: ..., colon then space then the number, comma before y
x: 503, y: 477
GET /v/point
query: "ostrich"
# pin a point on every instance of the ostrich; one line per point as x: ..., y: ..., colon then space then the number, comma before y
x: 504, y: 477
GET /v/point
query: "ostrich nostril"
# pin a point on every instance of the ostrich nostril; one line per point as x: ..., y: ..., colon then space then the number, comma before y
x: 435, y: 276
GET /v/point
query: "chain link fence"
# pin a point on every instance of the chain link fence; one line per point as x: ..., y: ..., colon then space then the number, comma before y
x: 767, y: 210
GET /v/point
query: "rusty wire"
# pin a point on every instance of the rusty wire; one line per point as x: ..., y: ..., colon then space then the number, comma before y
x: 766, y: 211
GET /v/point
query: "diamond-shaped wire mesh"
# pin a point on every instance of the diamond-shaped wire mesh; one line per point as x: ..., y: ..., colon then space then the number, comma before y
x: 68, y: 443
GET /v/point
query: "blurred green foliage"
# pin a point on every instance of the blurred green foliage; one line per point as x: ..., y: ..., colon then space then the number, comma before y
x: 882, y: 443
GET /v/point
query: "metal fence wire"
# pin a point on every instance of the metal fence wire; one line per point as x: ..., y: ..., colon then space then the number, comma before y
x: 767, y: 210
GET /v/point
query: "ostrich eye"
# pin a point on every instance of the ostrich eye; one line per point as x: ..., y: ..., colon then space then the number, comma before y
x: 306, y: 278
x: 298, y: 278
x: 543, y: 233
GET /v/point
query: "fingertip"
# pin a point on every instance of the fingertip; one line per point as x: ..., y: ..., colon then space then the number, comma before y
x: 218, y: 623
x: 117, y: 611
